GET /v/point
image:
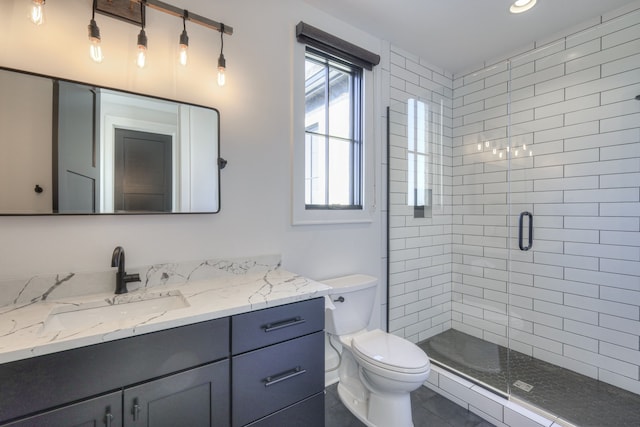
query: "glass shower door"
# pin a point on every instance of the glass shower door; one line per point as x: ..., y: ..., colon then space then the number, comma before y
x: 574, y: 280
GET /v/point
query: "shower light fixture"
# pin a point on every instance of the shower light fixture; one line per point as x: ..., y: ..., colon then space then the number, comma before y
x: 520, y: 6
x: 95, y: 50
x: 141, y: 55
x: 222, y: 63
x: 36, y: 14
x: 184, y: 41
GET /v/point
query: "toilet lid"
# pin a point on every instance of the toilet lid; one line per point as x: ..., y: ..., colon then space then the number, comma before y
x: 390, y: 352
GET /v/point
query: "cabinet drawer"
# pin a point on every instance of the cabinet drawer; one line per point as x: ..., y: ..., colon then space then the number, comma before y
x: 272, y: 325
x: 308, y: 413
x: 272, y: 378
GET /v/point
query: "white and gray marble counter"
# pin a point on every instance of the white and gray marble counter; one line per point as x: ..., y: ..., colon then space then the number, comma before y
x: 42, y: 315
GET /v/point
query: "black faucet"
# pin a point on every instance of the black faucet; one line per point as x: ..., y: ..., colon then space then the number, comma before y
x: 122, y: 278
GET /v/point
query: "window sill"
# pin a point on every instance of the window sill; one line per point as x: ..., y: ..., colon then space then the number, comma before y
x: 331, y: 216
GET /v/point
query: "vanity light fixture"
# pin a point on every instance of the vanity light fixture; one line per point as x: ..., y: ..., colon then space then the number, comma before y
x: 36, y: 14
x: 184, y: 41
x: 520, y: 6
x: 122, y: 9
x: 95, y: 50
x: 222, y: 63
x: 141, y: 56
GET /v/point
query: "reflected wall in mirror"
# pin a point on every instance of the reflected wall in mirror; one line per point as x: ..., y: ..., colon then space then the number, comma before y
x: 73, y: 148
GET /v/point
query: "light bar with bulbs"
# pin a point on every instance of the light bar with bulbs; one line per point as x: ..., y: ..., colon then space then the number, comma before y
x: 123, y: 10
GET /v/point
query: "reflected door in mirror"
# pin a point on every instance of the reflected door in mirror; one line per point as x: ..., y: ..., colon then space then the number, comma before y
x: 142, y: 172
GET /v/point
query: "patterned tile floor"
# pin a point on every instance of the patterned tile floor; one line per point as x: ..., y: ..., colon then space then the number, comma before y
x: 574, y: 397
x: 429, y: 410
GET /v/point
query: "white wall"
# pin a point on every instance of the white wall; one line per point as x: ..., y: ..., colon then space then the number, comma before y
x: 256, y: 128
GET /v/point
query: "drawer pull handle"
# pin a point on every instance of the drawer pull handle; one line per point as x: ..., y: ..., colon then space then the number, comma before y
x: 108, y: 417
x: 287, y: 375
x: 135, y: 411
x: 270, y: 327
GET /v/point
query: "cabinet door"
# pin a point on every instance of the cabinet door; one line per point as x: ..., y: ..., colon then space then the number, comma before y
x: 102, y: 411
x: 196, y: 398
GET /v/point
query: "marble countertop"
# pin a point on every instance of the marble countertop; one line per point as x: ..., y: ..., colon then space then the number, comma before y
x: 30, y: 329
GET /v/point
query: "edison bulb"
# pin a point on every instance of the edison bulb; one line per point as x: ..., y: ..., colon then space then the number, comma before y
x: 36, y: 14
x: 95, y: 51
x: 222, y: 66
x: 141, y: 56
x: 182, y: 54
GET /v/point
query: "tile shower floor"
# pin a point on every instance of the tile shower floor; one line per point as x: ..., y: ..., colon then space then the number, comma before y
x: 429, y: 410
x: 579, y: 399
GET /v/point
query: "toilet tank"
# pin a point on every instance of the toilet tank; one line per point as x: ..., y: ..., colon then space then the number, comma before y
x: 353, y: 298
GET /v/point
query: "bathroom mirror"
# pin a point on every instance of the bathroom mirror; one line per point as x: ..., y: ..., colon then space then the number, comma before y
x: 76, y: 148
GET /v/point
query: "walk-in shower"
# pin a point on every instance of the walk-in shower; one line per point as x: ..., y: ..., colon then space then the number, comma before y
x: 514, y: 221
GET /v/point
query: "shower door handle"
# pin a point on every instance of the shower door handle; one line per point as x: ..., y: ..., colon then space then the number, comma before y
x: 530, y: 244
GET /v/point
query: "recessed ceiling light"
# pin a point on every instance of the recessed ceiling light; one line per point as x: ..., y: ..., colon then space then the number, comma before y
x: 520, y: 6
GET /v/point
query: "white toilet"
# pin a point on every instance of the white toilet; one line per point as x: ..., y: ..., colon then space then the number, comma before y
x: 377, y: 370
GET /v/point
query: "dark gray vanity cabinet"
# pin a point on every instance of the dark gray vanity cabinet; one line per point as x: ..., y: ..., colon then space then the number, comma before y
x: 100, y: 411
x: 263, y: 368
x: 180, y: 372
x: 192, y: 398
x: 277, y: 366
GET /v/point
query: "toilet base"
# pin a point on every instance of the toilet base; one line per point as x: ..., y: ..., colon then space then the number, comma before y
x: 378, y: 411
x: 356, y: 406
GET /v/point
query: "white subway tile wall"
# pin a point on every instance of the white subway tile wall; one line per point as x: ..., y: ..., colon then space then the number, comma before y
x: 574, y: 298
x: 576, y: 169
x: 419, y: 248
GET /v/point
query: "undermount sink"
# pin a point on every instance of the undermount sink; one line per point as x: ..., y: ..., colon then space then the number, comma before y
x: 118, y: 308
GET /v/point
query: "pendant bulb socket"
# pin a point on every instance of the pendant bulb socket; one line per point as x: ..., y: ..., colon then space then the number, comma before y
x: 142, y: 38
x: 184, y: 38
x: 94, y: 31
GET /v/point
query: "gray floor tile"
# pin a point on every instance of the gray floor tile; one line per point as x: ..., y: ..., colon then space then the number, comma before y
x: 429, y: 410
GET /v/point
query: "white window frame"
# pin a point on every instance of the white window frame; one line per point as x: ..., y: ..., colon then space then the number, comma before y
x: 300, y: 214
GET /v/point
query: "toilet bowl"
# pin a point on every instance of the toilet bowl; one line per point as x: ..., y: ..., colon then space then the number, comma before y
x: 378, y: 370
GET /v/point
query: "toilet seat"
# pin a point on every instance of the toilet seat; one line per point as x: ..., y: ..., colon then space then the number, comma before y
x: 390, y: 352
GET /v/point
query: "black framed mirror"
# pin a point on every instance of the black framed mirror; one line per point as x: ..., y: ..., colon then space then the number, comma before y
x: 76, y: 148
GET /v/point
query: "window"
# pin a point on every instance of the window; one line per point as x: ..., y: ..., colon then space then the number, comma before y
x: 333, y: 132
x: 334, y: 139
